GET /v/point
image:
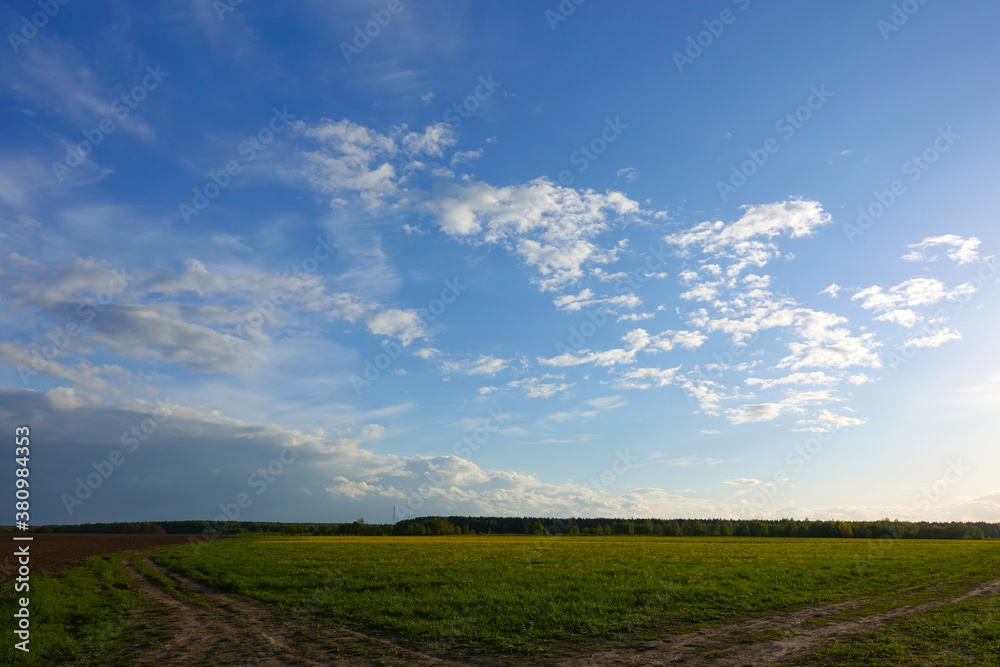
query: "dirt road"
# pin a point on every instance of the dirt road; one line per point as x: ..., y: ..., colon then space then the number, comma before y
x: 206, y: 626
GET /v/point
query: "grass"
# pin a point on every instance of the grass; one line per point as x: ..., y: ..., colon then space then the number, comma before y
x: 80, y: 616
x: 966, y: 633
x: 521, y: 595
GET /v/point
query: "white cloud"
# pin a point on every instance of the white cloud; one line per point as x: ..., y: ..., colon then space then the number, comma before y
x: 372, y: 432
x: 629, y: 174
x: 351, y: 489
x: 350, y: 157
x: 648, y: 378
x: 913, y: 292
x: 762, y: 412
x: 823, y: 344
x: 935, y: 339
x: 901, y: 316
x: 636, y: 317
x: 961, y: 250
x: 742, y: 240
x: 828, y: 421
x: 465, y: 156
x: 69, y: 398
x: 814, y: 377
x: 833, y: 289
x: 606, y: 402
x: 635, y: 340
x: 586, y: 298
x: 688, y: 461
x: 742, y: 481
x: 406, y: 325
x: 432, y: 141
x: 534, y: 387
x: 550, y: 227
x: 484, y: 365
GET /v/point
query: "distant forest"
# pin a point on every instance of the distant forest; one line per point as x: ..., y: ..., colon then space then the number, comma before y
x: 472, y: 525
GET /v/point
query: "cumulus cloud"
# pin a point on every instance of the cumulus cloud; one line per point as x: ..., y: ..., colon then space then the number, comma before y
x: 958, y: 249
x: 828, y: 421
x: 762, y: 412
x: 935, y: 339
x: 748, y: 240
x: 913, y: 292
x: 406, y: 325
x: 549, y: 227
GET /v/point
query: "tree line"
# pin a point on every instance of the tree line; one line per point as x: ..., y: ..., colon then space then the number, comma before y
x: 471, y: 525
x: 454, y: 525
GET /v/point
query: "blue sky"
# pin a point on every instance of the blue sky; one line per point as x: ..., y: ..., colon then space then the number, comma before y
x: 653, y: 259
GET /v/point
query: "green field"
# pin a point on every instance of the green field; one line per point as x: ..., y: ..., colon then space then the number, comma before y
x: 518, y: 599
x: 84, y: 615
x: 524, y: 595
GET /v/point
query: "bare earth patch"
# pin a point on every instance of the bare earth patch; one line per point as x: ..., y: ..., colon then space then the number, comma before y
x: 210, y: 627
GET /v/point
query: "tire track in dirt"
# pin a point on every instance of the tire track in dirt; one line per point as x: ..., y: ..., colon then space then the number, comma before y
x: 795, y: 639
x: 232, y: 630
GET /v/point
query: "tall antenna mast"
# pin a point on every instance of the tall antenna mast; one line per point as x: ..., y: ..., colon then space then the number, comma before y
x: 394, y: 515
